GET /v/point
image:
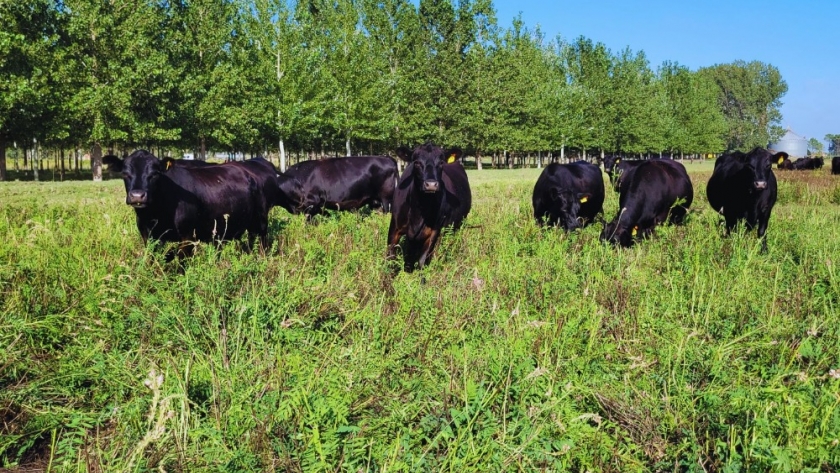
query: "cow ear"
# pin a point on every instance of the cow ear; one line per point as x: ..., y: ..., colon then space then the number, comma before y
x: 452, y: 154
x: 114, y: 163
x: 404, y: 153
x: 780, y: 157
x: 554, y: 193
x: 583, y: 198
x: 167, y: 163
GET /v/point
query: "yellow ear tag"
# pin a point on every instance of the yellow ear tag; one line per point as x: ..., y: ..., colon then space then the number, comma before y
x: 617, y: 160
x: 168, y: 165
x: 451, y: 159
x: 584, y: 199
x: 635, y: 231
x: 781, y: 160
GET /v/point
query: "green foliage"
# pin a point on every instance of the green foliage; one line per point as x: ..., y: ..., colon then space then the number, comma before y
x: 518, y: 348
x: 352, y: 77
x: 816, y: 146
x: 833, y: 143
x: 749, y: 94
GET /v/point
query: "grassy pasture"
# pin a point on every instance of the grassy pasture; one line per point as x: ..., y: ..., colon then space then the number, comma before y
x: 524, y: 349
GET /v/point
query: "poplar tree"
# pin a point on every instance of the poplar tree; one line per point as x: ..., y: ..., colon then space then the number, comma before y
x: 749, y: 95
x: 29, y: 38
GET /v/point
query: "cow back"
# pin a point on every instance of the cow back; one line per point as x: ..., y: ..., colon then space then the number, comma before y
x: 458, y: 194
x: 345, y: 183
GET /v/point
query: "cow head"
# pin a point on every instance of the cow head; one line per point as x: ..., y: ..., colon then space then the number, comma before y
x: 426, y: 163
x: 291, y: 193
x: 759, y: 163
x: 140, y: 171
x: 611, y: 167
x: 617, y: 234
x: 568, y: 205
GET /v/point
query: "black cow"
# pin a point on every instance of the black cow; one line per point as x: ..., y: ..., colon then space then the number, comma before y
x: 344, y: 183
x: 784, y: 164
x: 569, y: 195
x: 617, y: 167
x: 835, y: 165
x: 175, y: 203
x: 651, y: 193
x: 433, y: 193
x: 803, y: 164
x: 743, y: 187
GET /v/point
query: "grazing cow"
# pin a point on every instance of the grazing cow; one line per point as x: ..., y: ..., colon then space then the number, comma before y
x: 433, y: 193
x: 175, y: 203
x: 743, y: 187
x: 784, y: 164
x: 803, y: 164
x: 344, y: 183
x: 835, y: 165
x: 617, y: 168
x: 569, y: 195
x: 651, y: 193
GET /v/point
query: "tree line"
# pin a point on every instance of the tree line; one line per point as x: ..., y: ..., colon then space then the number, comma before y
x: 353, y: 77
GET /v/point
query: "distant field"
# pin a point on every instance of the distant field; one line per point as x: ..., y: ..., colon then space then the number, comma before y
x: 518, y: 349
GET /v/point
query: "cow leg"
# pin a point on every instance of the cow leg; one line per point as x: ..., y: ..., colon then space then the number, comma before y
x: 260, y: 230
x: 394, y: 234
x: 763, y: 221
x: 731, y: 222
x: 411, y: 251
x: 428, y: 248
x: 386, y: 196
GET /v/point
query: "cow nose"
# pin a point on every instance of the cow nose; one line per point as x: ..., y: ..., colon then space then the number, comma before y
x: 430, y: 186
x: 136, y: 198
x: 760, y: 184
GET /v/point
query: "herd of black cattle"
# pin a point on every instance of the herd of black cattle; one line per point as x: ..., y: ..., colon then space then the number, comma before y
x: 186, y: 201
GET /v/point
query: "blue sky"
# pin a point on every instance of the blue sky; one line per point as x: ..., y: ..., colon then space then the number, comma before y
x: 799, y: 38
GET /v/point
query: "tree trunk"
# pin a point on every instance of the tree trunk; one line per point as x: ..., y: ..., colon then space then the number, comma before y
x: 509, y: 160
x: 478, y: 159
x: 347, y: 145
x: 96, y: 162
x: 35, y: 162
x: 3, y: 160
x: 61, y: 173
x: 282, y: 156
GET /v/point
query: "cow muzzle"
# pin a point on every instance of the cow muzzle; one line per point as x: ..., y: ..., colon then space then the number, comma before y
x: 137, y: 199
x: 431, y: 186
x: 760, y: 184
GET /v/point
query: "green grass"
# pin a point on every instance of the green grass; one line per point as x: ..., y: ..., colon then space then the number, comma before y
x: 524, y: 348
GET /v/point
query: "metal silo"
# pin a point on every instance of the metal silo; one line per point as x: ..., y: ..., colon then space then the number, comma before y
x: 791, y: 143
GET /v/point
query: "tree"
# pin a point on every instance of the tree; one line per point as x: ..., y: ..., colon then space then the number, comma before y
x: 635, y: 114
x: 122, y: 81
x: 393, y: 28
x: 200, y: 37
x: 355, y: 108
x: 833, y: 143
x: 28, y: 102
x: 587, y: 67
x: 749, y: 95
x: 695, y: 123
x: 816, y: 146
